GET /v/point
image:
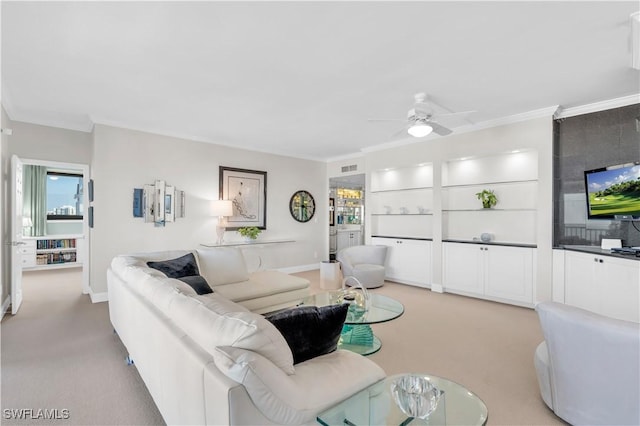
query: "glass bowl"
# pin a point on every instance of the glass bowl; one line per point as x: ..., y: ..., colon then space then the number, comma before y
x: 415, y: 395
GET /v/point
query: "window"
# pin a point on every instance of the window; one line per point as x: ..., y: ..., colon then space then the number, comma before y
x: 64, y: 196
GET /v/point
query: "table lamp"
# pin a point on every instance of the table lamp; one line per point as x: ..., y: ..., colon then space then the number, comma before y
x: 222, y: 209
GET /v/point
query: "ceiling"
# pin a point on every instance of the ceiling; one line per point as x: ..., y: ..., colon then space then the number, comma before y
x: 302, y: 78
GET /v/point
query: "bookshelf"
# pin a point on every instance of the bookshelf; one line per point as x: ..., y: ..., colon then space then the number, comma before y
x: 42, y: 253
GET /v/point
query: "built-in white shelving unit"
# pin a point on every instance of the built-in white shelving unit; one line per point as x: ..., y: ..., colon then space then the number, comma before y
x: 52, y: 252
x: 402, y: 202
x: 513, y: 177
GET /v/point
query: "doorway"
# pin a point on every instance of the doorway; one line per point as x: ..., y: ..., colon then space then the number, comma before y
x: 347, y: 197
x: 50, y: 231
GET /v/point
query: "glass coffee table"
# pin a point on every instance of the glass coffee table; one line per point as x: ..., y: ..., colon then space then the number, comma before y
x: 375, y: 405
x: 357, y: 335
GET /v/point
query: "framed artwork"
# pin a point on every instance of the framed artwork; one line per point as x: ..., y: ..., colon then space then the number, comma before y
x: 331, y: 212
x: 247, y: 190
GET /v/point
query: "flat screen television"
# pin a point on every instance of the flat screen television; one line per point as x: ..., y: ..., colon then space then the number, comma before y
x: 614, y: 192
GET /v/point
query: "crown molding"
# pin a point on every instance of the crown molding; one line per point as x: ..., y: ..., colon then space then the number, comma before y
x: 598, y: 106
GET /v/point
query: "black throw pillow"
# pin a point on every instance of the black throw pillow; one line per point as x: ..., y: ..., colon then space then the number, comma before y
x: 183, y: 266
x: 310, y: 331
x: 185, y: 269
x: 198, y: 283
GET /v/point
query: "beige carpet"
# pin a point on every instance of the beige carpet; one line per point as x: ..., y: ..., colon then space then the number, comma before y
x: 59, y: 352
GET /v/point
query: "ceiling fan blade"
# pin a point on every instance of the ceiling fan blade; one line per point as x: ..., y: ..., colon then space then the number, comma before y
x: 401, y: 132
x: 439, y: 129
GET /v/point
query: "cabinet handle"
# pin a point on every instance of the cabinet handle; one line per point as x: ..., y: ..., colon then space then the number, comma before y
x: 595, y: 259
x: 601, y: 261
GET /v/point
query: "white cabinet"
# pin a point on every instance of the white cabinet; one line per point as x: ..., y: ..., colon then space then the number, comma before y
x: 348, y: 238
x: 463, y: 268
x: 603, y: 284
x: 28, y: 253
x: 494, y: 272
x: 408, y: 260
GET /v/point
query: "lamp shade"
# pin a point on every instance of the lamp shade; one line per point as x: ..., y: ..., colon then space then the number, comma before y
x: 221, y: 208
x: 419, y: 129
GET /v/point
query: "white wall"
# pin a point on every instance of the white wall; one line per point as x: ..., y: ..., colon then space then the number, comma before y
x: 126, y: 159
x: 38, y: 142
x: 534, y: 134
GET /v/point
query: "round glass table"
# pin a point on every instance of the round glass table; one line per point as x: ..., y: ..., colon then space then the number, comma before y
x: 357, y: 335
x: 375, y: 405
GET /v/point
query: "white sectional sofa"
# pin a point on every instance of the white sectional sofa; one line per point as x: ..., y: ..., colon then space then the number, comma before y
x: 208, y: 359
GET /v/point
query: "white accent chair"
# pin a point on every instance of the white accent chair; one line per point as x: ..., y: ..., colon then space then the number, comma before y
x: 588, y: 366
x: 366, y: 263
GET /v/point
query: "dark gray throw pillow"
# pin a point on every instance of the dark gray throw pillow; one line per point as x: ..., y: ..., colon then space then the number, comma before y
x: 310, y: 331
x: 185, y: 269
x: 183, y: 266
x: 198, y: 283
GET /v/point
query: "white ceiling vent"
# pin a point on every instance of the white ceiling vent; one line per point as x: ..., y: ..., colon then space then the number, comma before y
x: 349, y: 168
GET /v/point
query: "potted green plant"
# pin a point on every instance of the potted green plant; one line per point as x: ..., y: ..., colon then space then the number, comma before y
x: 487, y: 197
x: 249, y: 232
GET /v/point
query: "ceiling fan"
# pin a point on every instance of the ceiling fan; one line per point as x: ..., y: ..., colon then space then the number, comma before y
x: 421, y: 119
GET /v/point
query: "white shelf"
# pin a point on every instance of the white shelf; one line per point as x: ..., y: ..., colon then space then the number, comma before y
x: 402, y: 214
x: 506, y: 182
x: 54, y: 266
x: 417, y: 188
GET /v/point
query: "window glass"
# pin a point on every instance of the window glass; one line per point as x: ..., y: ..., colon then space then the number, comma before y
x: 64, y: 196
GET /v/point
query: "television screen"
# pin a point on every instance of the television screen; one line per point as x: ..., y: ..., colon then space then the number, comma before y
x: 614, y: 192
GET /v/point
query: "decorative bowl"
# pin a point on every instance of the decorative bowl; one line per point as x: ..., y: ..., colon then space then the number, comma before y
x: 415, y: 396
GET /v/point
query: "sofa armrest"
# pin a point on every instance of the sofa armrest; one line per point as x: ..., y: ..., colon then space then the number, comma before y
x: 317, y: 384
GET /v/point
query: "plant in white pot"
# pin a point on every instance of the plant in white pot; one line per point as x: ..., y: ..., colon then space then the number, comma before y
x: 250, y: 233
x: 488, y: 198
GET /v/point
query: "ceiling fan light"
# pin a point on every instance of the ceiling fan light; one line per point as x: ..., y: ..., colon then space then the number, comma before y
x: 419, y: 130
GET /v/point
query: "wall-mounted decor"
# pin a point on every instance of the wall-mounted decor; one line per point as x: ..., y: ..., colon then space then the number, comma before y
x: 247, y: 189
x: 332, y: 211
x: 90, y: 216
x: 158, y: 203
x: 138, y: 196
x: 302, y: 206
x: 90, y: 190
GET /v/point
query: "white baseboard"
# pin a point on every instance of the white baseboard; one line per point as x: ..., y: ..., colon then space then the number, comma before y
x: 5, y: 306
x: 300, y: 268
x: 98, y: 297
x: 437, y: 288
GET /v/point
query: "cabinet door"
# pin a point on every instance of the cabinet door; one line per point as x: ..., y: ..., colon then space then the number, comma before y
x: 619, y: 284
x: 408, y: 261
x: 412, y: 262
x: 580, y: 287
x: 509, y: 273
x: 463, y: 268
x: 343, y: 240
x: 354, y: 238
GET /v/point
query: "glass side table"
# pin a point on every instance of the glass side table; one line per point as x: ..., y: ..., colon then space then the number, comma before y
x: 375, y: 406
x: 357, y: 335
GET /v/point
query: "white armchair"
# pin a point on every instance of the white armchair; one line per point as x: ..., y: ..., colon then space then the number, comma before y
x: 366, y: 263
x: 588, y: 366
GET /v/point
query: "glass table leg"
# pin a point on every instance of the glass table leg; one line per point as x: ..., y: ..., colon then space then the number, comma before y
x: 359, y: 338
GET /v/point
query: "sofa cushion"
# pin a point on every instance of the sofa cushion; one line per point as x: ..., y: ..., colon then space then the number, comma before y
x: 238, y: 329
x: 296, y: 399
x: 219, y: 304
x: 224, y: 265
x: 262, y: 284
x: 310, y: 331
